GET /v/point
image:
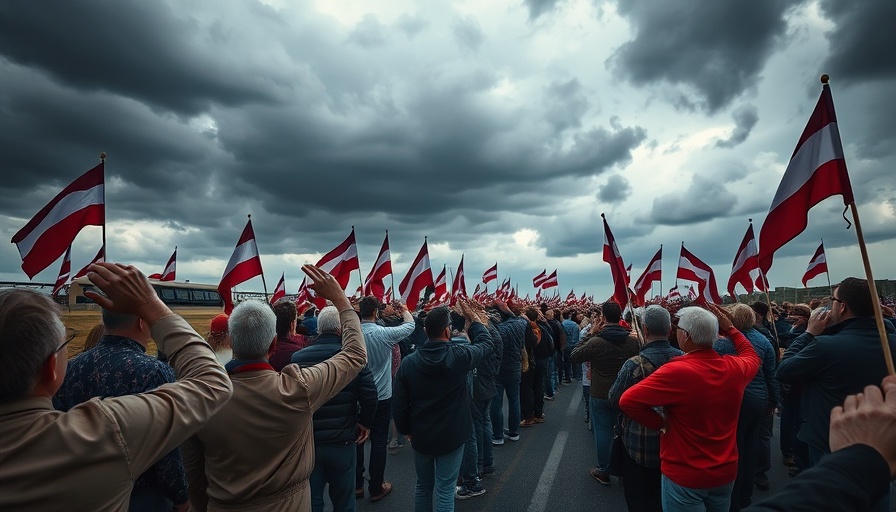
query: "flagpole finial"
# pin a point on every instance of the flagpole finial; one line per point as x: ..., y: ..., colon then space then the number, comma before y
x: 250, y: 215
x: 825, y: 78
x: 602, y: 216
x: 103, y: 156
x: 750, y: 221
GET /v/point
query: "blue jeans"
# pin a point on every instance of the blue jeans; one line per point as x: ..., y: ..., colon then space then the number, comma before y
x: 379, y: 437
x: 550, y: 365
x: 682, y: 499
x: 468, y: 470
x: 482, y: 430
x: 149, y: 499
x: 436, y: 473
x: 603, y: 416
x: 509, y: 384
x: 334, y: 464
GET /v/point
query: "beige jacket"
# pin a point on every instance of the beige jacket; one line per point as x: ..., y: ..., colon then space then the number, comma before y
x: 87, y: 458
x: 258, y: 451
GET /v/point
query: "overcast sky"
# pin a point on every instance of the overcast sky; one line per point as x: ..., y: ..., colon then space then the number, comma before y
x: 500, y: 130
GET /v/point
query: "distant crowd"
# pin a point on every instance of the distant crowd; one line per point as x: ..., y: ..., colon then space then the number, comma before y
x: 276, y: 404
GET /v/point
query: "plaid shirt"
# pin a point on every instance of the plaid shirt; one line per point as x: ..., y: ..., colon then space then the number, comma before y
x: 641, y: 443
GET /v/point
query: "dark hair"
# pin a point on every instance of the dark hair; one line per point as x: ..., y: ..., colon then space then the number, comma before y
x: 569, y: 313
x: 760, y: 307
x: 532, y: 314
x: 457, y: 321
x: 309, y: 312
x: 286, y: 313
x: 543, y: 307
x: 611, y: 311
x: 855, y: 293
x: 368, y: 305
x: 436, y: 321
x: 115, y: 321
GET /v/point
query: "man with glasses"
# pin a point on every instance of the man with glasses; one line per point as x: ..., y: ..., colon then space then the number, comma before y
x: 119, y: 366
x: 838, y: 355
x: 88, y: 458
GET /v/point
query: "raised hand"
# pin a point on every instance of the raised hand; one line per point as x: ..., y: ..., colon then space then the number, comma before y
x: 126, y: 290
x: 724, y: 316
x: 326, y: 287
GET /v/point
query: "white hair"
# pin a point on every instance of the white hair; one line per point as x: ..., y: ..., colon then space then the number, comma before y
x: 702, y: 325
x: 657, y: 320
x: 252, y: 326
x: 328, y: 320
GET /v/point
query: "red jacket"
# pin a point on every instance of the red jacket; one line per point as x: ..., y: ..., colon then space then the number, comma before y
x: 700, y: 393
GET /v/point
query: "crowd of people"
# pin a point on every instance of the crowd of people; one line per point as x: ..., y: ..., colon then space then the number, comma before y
x: 275, y: 408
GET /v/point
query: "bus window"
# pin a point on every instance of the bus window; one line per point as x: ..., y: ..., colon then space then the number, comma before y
x: 167, y: 294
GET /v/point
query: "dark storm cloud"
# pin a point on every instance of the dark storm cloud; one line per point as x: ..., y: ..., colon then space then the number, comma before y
x: 468, y: 33
x: 745, y: 118
x: 704, y: 199
x: 145, y: 50
x: 539, y: 7
x: 615, y: 190
x: 565, y: 103
x: 717, y: 48
x: 862, y: 40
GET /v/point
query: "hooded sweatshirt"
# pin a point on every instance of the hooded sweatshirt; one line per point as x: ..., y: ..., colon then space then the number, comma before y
x: 606, y: 352
x: 431, y: 399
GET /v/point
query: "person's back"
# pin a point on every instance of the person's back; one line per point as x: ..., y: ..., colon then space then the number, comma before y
x: 89, y: 456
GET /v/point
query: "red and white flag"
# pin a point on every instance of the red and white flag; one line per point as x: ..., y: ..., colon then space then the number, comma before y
x: 382, y: 267
x: 551, y: 281
x: 628, y: 273
x: 572, y: 296
x: 459, y: 286
x: 244, y: 264
x: 64, y: 271
x: 817, y: 264
x: 693, y: 269
x: 490, y: 274
x: 441, y: 287
x: 49, y: 233
x: 674, y: 294
x: 617, y: 266
x: 303, y: 294
x: 170, y: 269
x: 817, y: 170
x: 653, y: 272
x: 538, y: 280
x: 476, y: 295
x: 280, y: 290
x: 99, y: 258
x: 691, y: 293
x: 745, y: 269
x: 340, y: 262
x: 419, y: 276
x: 388, y: 297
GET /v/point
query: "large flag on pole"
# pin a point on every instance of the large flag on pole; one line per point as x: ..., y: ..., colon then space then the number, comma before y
x: 419, y: 276
x: 340, y: 262
x: 490, y: 274
x: 99, y: 258
x: 170, y: 269
x: 550, y: 281
x: 653, y: 272
x: 617, y: 266
x: 538, y: 280
x: 49, y: 233
x: 817, y: 170
x: 303, y: 294
x: 817, y: 264
x: 441, y: 287
x: 693, y: 269
x: 244, y: 264
x: 745, y: 269
x: 459, y: 286
x: 280, y: 290
x: 64, y: 271
x: 382, y: 267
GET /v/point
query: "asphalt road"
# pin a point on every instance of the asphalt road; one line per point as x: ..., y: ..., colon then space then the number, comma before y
x: 546, y: 470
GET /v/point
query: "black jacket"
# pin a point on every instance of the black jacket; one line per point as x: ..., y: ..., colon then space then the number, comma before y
x: 545, y: 347
x: 430, y: 399
x: 484, y: 374
x: 336, y: 421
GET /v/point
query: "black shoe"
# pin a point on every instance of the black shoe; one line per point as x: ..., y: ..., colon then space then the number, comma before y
x: 466, y: 491
x: 488, y: 470
x: 762, y: 482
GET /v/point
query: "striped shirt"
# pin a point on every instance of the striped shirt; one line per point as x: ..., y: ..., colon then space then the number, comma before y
x: 379, y: 341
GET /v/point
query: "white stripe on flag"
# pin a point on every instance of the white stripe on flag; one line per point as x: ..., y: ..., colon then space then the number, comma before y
x: 822, y: 147
x: 66, y: 206
x: 243, y: 252
x: 350, y: 253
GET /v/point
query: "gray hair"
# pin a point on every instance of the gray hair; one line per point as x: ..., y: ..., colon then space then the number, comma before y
x: 328, y: 320
x: 252, y: 326
x: 702, y: 325
x: 30, y: 332
x: 657, y: 320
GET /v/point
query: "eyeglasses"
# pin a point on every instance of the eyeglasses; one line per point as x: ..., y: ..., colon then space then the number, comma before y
x: 64, y: 343
x: 832, y: 299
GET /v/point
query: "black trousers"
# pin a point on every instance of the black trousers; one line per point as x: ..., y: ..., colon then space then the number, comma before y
x: 748, y: 424
x: 379, y: 435
x: 642, y: 486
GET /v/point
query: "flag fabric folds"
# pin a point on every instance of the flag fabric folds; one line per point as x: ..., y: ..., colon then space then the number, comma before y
x: 170, y: 269
x: 64, y: 271
x: 817, y: 170
x: 244, y: 264
x: 817, y: 264
x: 53, y: 229
x: 99, y: 258
x: 490, y: 274
x: 441, y: 287
x: 419, y: 276
x: 571, y: 297
x: 340, y: 262
x: 550, y: 281
x: 280, y: 290
x: 693, y: 269
x: 745, y: 269
x: 382, y: 267
x: 617, y: 266
x: 459, y: 286
x: 674, y: 294
x: 653, y: 272
x: 303, y: 293
x: 538, y: 280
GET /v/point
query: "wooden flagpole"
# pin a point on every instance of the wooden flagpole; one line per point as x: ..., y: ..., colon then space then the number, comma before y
x: 105, y: 249
x: 263, y: 283
x: 360, y: 277
x: 826, y: 271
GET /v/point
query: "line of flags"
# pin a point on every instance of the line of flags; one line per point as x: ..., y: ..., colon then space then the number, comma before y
x: 817, y: 170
